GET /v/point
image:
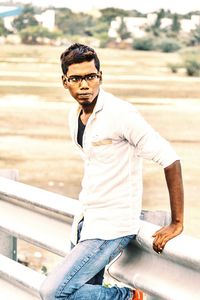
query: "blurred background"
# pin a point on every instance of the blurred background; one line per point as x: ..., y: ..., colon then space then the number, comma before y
x: 150, y: 56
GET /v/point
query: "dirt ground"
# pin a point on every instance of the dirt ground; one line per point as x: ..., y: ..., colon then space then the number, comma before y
x: 34, y: 136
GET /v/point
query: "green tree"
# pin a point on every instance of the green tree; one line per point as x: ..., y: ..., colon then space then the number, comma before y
x: 99, y: 28
x: 136, y: 14
x: 31, y: 34
x: 123, y: 31
x: 155, y: 28
x: 110, y: 13
x: 196, y: 36
x: 189, y: 14
x: 169, y: 45
x: 192, y: 67
x: 167, y: 14
x: 176, y: 25
x: 64, y: 20
x: 146, y: 43
x: 85, y: 24
x: 71, y: 23
x: 26, y: 18
x: 160, y: 15
x: 3, y: 30
x: 101, y: 25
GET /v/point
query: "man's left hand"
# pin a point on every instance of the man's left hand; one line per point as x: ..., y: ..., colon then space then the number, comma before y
x: 163, y: 235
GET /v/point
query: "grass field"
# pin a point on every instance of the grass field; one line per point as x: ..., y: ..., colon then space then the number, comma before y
x: 125, y: 73
x: 34, y: 136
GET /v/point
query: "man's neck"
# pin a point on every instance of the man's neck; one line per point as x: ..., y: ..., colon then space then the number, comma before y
x: 87, y: 110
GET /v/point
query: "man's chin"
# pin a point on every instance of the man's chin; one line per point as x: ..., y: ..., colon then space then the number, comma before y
x: 85, y: 103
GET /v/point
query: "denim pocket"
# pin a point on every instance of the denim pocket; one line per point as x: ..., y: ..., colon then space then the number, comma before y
x: 123, y: 242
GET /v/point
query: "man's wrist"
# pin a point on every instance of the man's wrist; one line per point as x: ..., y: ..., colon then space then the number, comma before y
x: 178, y: 225
x: 177, y: 222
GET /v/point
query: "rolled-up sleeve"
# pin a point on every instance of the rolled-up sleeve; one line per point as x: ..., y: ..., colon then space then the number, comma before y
x: 148, y: 143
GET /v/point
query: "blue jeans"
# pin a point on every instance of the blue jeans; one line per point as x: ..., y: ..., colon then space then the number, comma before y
x: 75, y: 278
x: 98, y: 278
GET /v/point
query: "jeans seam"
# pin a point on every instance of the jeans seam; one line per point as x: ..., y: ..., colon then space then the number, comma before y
x: 84, y: 262
x: 67, y: 279
x: 81, y: 265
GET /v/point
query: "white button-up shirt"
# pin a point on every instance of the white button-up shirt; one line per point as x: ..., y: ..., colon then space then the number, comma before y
x: 115, y: 141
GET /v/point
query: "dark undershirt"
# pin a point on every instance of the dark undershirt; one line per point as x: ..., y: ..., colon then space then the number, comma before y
x: 81, y: 128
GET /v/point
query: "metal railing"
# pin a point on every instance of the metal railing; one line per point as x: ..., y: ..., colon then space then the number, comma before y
x: 44, y: 219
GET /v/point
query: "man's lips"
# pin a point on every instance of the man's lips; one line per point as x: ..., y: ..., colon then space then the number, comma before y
x: 84, y: 95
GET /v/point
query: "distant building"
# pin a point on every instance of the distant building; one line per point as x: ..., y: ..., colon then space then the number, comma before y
x: 151, y: 18
x: 137, y: 25
x: 47, y: 19
x: 188, y: 25
x: 8, y: 13
x: 165, y: 23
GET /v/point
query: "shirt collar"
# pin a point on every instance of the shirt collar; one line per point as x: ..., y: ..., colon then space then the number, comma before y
x: 100, y: 101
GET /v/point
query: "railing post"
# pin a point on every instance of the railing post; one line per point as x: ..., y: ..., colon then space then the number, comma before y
x: 8, y: 243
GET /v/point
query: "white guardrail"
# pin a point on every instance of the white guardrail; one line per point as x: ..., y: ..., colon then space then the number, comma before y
x: 44, y: 219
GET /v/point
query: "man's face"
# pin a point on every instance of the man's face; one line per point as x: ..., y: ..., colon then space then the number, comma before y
x: 84, y: 89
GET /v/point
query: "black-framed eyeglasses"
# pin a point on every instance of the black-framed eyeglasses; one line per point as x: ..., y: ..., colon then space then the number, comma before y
x: 77, y: 79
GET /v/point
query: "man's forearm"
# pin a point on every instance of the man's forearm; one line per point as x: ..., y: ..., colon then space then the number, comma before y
x: 175, y: 186
x: 174, y: 181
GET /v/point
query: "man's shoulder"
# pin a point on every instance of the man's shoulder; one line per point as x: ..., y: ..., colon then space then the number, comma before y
x: 116, y: 103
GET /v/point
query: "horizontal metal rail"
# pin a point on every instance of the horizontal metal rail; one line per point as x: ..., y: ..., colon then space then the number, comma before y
x: 172, y: 275
x: 19, y: 281
x: 37, y: 216
x: 44, y: 219
x: 36, y: 198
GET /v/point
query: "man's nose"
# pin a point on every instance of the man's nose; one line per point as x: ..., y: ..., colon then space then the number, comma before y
x: 84, y: 83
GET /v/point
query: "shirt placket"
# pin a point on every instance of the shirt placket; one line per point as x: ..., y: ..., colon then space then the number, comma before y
x: 86, y: 148
x: 86, y: 136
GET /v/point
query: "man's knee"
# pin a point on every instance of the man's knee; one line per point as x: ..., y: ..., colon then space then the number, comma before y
x: 46, y: 292
x: 49, y: 291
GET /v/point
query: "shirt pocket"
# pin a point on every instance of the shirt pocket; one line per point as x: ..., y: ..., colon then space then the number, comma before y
x: 101, y: 150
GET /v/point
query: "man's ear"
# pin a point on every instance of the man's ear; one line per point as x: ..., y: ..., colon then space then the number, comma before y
x: 100, y: 77
x: 64, y: 81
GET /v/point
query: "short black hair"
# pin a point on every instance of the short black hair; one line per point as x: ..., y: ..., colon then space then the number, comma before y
x: 78, y: 53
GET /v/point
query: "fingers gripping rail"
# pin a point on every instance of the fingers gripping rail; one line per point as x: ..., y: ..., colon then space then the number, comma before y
x: 172, y: 275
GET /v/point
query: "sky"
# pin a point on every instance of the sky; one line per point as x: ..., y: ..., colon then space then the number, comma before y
x: 180, y: 6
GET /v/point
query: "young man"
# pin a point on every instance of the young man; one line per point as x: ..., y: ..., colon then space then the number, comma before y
x: 112, y: 138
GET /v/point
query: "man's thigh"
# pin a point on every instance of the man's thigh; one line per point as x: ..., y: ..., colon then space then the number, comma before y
x: 90, y: 257
x: 85, y: 260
